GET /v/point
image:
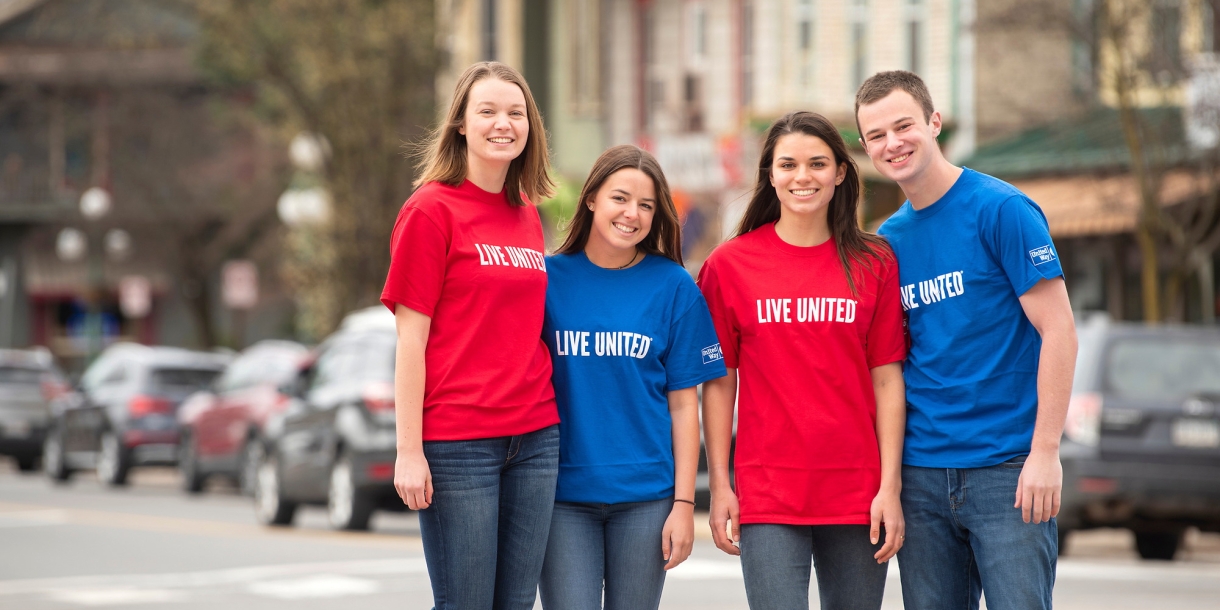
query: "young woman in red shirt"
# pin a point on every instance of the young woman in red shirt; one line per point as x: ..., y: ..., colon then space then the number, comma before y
x: 807, y: 309
x: 478, y: 440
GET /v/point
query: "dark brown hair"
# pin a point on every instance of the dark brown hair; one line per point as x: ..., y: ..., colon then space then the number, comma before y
x: 665, y: 236
x: 882, y: 84
x: 855, y: 246
x: 444, y: 159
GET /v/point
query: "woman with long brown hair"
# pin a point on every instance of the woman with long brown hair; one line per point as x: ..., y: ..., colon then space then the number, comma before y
x: 807, y: 308
x: 630, y: 339
x: 478, y: 440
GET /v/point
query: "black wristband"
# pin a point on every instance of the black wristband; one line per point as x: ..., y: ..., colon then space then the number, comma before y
x: 691, y: 502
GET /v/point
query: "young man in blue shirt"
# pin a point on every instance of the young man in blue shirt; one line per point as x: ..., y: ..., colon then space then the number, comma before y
x: 989, y: 372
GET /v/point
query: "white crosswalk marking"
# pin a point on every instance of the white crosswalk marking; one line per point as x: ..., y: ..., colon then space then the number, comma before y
x: 118, y: 597
x: 318, y: 586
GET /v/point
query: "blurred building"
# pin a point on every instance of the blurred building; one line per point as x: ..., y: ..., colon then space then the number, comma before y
x: 105, y: 94
x: 1080, y: 169
x: 697, y: 81
x: 1025, y: 88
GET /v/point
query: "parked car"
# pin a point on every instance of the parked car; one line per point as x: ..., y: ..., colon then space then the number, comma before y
x: 222, y: 427
x: 1141, y: 445
x: 123, y: 414
x: 29, y: 381
x: 334, y: 445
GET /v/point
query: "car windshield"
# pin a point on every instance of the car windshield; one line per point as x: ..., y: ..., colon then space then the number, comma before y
x: 180, y: 381
x: 20, y: 376
x: 1163, y: 369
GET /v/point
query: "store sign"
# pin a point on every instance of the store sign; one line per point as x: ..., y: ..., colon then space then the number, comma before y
x: 239, y: 284
x: 135, y: 296
x: 1202, y: 112
x: 691, y: 162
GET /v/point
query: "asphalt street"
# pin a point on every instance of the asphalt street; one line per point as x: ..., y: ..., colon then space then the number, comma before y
x: 150, y: 546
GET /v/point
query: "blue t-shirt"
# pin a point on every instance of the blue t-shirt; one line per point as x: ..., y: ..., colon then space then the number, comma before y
x: 620, y: 340
x: 971, y: 372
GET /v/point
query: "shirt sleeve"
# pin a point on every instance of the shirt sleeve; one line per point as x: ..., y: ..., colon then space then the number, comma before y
x: 1021, y: 243
x: 886, y: 332
x: 694, y: 354
x: 418, y: 253
x: 726, y: 331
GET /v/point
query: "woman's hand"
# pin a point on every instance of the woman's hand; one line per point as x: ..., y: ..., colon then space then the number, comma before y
x: 678, y: 535
x: 724, y: 512
x: 413, y: 479
x: 888, y: 510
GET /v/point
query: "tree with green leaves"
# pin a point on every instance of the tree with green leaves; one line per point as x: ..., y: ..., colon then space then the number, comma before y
x: 360, y: 74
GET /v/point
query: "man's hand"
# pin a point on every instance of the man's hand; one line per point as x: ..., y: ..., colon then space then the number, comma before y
x: 1040, y: 486
x: 413, y: 479
x: 724, y: 512
x: 678, y: 535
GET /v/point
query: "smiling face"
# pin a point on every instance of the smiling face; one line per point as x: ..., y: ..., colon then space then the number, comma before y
x: 804, y: 174
x: 495, y: 123
x: 622, y: 212
x: 900, y: 143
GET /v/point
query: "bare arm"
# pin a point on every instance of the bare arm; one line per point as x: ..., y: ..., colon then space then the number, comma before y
x: 412, y: 478
x: 1041, y: 483
x: 891, y: 428
x: 719, y: 397
x: 678, y: 536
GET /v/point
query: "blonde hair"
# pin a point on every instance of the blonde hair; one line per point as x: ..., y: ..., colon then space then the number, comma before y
x: 444, y: 159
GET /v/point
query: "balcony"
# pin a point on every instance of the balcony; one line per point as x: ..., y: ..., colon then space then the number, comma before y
x: 26, y: 196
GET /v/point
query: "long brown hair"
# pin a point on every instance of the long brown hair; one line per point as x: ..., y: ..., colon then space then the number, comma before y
x: 665, y: 236
x: 444, y: 157
x: 855, y: 246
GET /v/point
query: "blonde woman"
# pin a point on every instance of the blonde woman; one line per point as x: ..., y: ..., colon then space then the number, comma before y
x: 478, y: 440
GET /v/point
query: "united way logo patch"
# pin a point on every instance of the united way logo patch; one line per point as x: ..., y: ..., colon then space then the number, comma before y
x: 1041, y: 255
x: 712, y: 353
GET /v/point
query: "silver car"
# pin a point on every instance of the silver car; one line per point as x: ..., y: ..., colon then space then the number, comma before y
x: 29, y: 380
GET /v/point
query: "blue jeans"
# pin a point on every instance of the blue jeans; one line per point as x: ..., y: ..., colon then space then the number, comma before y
x: 776, y: 559
x: 485, y: 533
x: 618, y: 544
x: 965, y: 538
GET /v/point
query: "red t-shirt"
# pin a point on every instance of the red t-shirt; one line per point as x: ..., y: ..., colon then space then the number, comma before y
x: 807, y: 449
x: 474, y: 263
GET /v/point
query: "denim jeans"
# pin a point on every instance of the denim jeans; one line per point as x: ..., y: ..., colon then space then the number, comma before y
x: 618, y: 544
x: 965, y: 538
x: 485, y: 533
x: 776, y: 560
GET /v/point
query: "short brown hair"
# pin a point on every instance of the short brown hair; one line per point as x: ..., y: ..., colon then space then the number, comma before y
x: 882, y: 84
x: 444, y: 157
x: 665, y: 236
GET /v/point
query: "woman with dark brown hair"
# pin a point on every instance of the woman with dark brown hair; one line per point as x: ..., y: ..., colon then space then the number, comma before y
x: 478, y: 440
x: 630, y: 339
x: 807, y: 308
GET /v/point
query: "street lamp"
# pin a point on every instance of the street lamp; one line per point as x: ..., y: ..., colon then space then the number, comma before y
x: 72, y: 244
x: 94, y: 205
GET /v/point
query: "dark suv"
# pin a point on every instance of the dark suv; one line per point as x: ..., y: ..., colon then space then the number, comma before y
x: 124, y: 412
x: 334, y: 444
x: 1141, y: 443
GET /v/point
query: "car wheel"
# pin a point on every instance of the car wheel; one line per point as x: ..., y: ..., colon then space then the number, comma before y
x: 1063, y: 540
x: 188, y: 465
x: 112, y: 464
x: 54, y: 462
x: 270, y: 507
x: 247, y: 475
x: 1160, y: 545
x: 27, y: 463
x: 346, y: 506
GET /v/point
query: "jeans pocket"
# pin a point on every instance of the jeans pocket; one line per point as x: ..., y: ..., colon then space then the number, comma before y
x: 1015, y: 463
